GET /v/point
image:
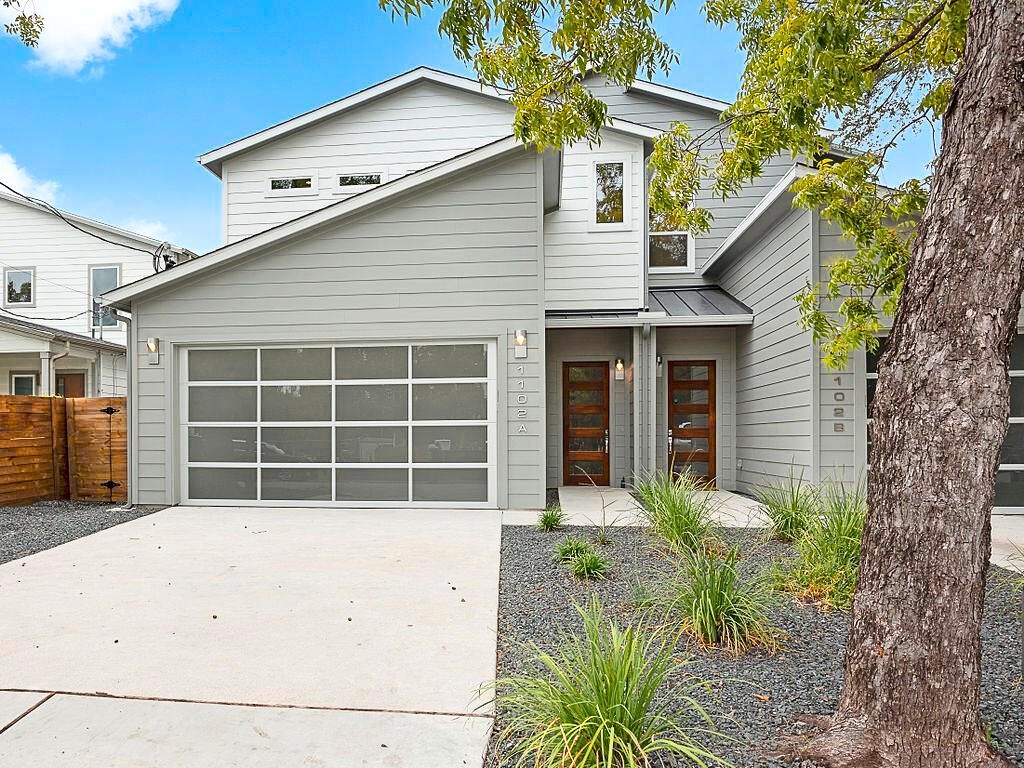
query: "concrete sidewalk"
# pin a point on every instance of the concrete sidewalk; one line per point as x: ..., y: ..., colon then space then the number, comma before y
x: 361, y: 623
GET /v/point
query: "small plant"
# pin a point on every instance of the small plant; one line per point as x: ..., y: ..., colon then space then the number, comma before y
x: 597, y: 704
x: 790, y: 505
x: 679, y: 509
x: 717, y: 607
x: 570, y: 547
x: 828, y: 552
x: 642, y: 594
x: 551, y: 519
x: 589, y: 565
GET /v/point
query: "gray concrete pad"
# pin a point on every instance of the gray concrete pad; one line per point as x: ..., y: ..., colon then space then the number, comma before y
x: 374, y: 609
x: 87, y: 732
x: 14, y: 704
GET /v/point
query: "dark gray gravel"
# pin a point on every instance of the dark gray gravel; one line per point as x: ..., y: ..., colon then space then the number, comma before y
x: 755, y: 697
x: 32, y: 528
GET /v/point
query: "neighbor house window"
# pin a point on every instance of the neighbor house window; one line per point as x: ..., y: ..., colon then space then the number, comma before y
x: 668, y: 249
x: 611, y: 197
x: 101, y: 280
x: 357, y: 182
x: 305, y: 184
x: 19, y: 287
x: 23, y: 384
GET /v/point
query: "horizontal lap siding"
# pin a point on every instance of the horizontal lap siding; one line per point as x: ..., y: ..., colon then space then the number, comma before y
x: 587, y: 268
x: 455, y: 274
x: 774, y: 360
x: 397, y: 134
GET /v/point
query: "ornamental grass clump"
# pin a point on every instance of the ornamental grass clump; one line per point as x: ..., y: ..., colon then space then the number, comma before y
x: 595, y: 705
x: 589, y: 565
x: 551, y: 519
x: 790, y: 505
x: 678, y: 508
x: 716, y: 606
x: 828, y: 552
x: 570, y: 547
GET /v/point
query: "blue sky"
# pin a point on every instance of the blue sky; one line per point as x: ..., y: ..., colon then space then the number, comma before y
x: 109, y: 116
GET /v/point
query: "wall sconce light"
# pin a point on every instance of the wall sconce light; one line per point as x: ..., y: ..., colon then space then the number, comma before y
x: 153, y: 347
x: 620, y: 369
x: 520, y: 344
x: 659, y: 365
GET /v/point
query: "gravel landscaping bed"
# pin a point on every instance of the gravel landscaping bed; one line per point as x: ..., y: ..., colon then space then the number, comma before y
x: 755, y: 697
x: 32, y: 528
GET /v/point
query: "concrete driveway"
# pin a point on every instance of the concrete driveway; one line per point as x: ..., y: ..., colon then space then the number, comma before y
x: 256, y: 637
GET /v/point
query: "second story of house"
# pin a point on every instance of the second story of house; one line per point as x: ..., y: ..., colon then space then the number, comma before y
x: 602, y: 250
x: 55, y: 267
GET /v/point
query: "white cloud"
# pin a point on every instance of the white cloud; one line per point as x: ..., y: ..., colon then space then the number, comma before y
x: 79, y: 34
x: 155, y: 229
x: 13, y: 175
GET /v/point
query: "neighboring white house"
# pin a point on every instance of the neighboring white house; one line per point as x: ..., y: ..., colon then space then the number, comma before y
x: 54, y: 338
x: 411, y: 308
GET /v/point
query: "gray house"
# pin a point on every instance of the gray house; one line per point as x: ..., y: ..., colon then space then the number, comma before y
x: 411, y: 308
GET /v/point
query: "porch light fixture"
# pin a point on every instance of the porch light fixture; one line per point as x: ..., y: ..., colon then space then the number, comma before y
x: 153, y: 346
x: 520, y: 341
x: 620, y: 369
x: 659, y: 365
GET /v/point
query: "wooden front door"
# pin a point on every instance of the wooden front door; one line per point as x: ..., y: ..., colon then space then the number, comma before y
x: 691, y: 417
x: 70, y: 384
x: 585, y: 423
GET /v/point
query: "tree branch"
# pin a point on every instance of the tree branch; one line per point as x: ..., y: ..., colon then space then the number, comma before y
x: 927, y: 21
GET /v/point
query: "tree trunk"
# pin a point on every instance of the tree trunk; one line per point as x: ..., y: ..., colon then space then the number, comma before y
x: 913, y: 661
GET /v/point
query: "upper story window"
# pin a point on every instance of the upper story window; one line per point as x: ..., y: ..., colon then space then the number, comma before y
x: 290, y: 186
x: 611, y: 199
x: 102, y: 279
x: 357, y: 182
x: 668, y: 249
x: 19, y: 287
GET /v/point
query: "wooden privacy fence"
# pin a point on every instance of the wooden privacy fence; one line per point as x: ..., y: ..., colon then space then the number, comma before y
x: 59, y: 448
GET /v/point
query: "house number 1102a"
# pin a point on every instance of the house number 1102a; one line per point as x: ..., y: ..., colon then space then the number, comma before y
x: 521, y: 398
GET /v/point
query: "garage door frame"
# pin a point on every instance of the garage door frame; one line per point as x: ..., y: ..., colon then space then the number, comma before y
x: 491, y: 424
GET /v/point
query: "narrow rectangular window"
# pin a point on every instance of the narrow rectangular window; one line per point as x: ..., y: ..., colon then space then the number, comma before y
x: 293, y: 185
x: 359, y: 180
x: 20, y: 287
x: 23, y: 384
x: 609, y: 190
x: 299, y: 182
x: 102, y: 280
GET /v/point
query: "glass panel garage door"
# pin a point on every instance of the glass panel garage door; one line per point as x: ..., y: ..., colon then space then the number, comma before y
x: 345, y: 425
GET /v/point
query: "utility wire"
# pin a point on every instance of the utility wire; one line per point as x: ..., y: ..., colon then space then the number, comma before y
x: 27, y: 317
x: 48, y: 280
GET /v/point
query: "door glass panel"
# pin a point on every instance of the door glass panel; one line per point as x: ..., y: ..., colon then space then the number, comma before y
x: 449, y: 444
x: 373, y: 444
x: 287, y: 484
x: 296, y: 445
x: 586, y: 420
x: 689, y: 396
x: 222, y: 404
x: 691, y: 421
x: 872, y: 385
x: 449, y: 485
x: 373, y: 402
x: 688, y: 445
x: 372, y: 362
x: 689, y: 373
x: 449, y: 361
x: 1017, y: 395
x: 237, y: 444
x: 586, y: 444
x: 581, y: 468
x: 295, y: 402
x: 1013, y: 445
x: 1009, y: 489
x: 222, y: 483
x: 449, y: 401
x: 222, y: 365
x: 373, y: 485
x: 586, y: 397
x: 291, y: 364
x: 697, y: 468
x: 586, y: 373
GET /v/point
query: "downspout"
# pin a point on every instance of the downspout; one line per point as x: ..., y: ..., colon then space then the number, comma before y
x: 129, y: 448
x: 51, y: 382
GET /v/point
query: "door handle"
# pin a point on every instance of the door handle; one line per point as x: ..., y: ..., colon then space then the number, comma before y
x: 606, y: 441
x: 670, y: 441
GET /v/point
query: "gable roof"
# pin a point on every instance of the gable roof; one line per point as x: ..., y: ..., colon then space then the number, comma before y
x: 214, y: 159
x: 120, y: 297
x: 110, y: 229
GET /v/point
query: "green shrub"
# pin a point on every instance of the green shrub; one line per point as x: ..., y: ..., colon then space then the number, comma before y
x: 551, y: 519
x: 828, y: 552
x: 642, y: 594
x: 716, y: 606
x: 570, y: 547
x: 596, y: 706
x: 679, y: 509
x: 789, y: 505
x: 589, y: 565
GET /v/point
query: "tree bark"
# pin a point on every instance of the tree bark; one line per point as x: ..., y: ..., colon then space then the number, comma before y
x: 913, y: 661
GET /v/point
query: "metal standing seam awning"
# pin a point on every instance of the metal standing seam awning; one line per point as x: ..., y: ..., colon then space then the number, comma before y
x: 691, y: 306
